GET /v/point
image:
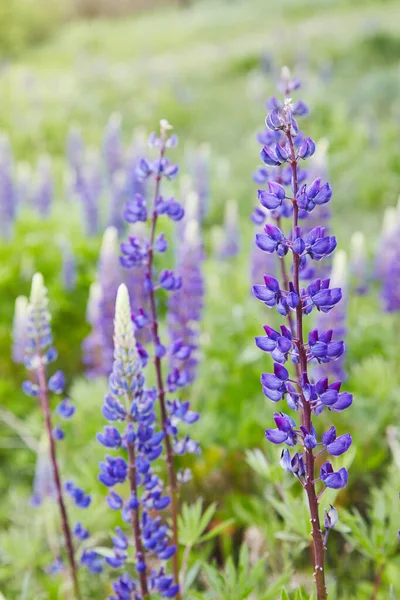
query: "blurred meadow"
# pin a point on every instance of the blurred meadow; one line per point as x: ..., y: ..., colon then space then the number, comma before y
x: 208, y: 67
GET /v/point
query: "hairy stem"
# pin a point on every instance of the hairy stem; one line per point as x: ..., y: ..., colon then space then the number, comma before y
x: 44, y: 401
x: 378, y: 581
x: 160, y: 385
x: 135, y: 517
x: 318, y: 542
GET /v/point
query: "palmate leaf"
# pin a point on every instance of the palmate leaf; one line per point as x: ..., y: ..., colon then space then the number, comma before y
x: 273, y: 589
x: 359, y: 533
x: 192, y: 524
x: 242, y: 581
x: 191, y: 575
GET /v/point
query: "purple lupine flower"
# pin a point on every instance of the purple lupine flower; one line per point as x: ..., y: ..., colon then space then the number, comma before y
x: 8, y: 192
x: 39, y: 354
x: 199, y: 168
x: 109, y: 277
x: 261, y: 262
x: 81, y: 532
x: 79, y: 496
x: 19, y: 329
x: 68, y: 270
x: 113, y: 151
x: 186, y: 305
x: 117, y: 191
x: 229, y: 242
x: 130, y: 408
x: 85, y: 184
x: 43, y: 194
x: 75, y: 148
x: 390, y: 276
x: 333, y: 363
x: 140, y: 253
x: 133, y: 183
x: 287, y: 193
x: 92, y: 344
x: 98, y: 347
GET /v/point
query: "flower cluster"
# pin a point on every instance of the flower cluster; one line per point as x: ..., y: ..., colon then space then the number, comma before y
x: 128, y: 403
x: 40, y: 352
x: 139, y: 253
x: 387, y: 262
x: 288, y: 194
x: 185, y: 282
x: 98, y: 346
x: 200, y: 164
x: 43, y: 194
x: 8, y: 191
x: 336, y: 321
x: 68, y: 270
x: 186, y: 305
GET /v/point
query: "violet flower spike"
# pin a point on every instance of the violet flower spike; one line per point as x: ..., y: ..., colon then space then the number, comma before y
x: 98, y: 346
x: 39, y: 353
x: 285, y: 149
x: 139, y: 253
x: 8, y: 191
x: 129, y: 403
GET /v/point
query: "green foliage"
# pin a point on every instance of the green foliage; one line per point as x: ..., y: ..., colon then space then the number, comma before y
x: 24, y: 23
x: 193, y: 524
x: 239, y: 582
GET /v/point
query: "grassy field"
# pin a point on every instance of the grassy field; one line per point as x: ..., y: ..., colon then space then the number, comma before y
x: 208, y: 70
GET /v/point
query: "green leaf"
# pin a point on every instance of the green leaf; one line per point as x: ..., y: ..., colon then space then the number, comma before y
x: 276, y: 587
x: 284, y: 595
x: 191, y: 575
x: 215, y: 530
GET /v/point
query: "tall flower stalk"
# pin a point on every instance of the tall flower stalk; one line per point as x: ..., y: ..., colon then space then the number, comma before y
x: 140, y: 252
x: 128, y: 402
x: 39, y: 354
x: 186, y: 304
x: 98, y: 346
x: 295, y: 198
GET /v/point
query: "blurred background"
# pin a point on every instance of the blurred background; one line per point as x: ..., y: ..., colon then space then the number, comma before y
x: 82, y: 84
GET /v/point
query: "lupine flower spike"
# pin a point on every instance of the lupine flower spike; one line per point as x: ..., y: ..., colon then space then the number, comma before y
x: 231, y: 243
x: 291, y: 195
x: 140, y: 253
x: 44, y: 187
x: 186, y: 304
x: 68, y: 271
x: 129, y: 403
x: 39, y: 353
x: 8, y: 192
x: 109, y: 278
x: 334, y: 321
x: 387, y: 267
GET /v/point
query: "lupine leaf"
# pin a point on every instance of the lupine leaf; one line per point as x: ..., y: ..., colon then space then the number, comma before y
x: 215, y: 530
x: 276, y: 587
